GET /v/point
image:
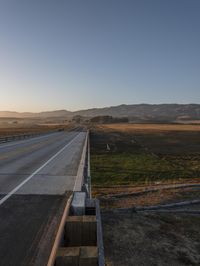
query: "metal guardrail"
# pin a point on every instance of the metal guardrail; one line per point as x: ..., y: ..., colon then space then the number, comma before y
x: 6, y: 139
x: 99, y: 236
x: 88, y: 169
x: 83, y: 168
x: 59, y: 234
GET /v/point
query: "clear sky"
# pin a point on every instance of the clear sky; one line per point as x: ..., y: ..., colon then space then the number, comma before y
x: 70, y: 54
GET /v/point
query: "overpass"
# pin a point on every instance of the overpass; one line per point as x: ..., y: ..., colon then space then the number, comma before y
x: 47, y: 216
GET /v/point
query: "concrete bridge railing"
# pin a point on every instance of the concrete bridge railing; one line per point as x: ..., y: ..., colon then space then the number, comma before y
x: 80, y: 240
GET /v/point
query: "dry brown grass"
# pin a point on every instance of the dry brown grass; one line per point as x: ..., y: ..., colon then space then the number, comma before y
x: 101, y: 191
x: 152, y: 198
x: 29, y: 129
x: 148, y: 128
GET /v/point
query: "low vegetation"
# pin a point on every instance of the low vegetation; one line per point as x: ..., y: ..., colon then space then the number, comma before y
x: 10, y: 127
x: 144, y: 154
x: 130, y: 159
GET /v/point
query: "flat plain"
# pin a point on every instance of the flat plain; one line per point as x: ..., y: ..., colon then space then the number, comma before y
x: 16, y: 126
x: 126, y: 154
x: 135, y: 166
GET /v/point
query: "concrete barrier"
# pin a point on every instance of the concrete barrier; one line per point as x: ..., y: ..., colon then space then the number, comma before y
x: 82, y: 229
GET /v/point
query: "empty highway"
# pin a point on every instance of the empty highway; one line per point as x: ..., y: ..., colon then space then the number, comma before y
x: 37, y: 177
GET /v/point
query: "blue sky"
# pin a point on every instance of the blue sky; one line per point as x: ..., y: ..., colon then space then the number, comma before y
x: 70, y: 54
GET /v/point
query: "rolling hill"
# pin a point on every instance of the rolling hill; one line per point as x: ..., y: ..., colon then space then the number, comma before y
x: 168, y: 112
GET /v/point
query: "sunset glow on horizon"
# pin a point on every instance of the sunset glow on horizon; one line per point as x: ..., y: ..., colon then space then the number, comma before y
x: 81, y: 54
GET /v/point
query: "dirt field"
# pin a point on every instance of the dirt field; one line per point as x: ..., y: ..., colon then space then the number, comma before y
x: 151, y: 239
x: 127, y: 161
x: 145, y: 128
x: 137, y: 154
x: 151, y: 198
x: 10, y: 130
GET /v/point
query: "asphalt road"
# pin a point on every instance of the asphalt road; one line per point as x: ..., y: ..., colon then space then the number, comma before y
x: 37, y: 177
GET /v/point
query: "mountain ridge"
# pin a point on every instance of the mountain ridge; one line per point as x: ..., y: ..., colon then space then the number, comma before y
x: 142, y: 111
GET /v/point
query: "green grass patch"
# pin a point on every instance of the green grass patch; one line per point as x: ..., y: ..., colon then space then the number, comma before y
x: 128, y: 162
x: 125, y: 168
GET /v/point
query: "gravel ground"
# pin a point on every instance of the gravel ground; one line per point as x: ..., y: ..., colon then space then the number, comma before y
x: 148, y: 239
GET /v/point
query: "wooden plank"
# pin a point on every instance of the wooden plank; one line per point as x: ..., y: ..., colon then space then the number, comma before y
x: 73, y: 231
x: 89, y: 230
x: 68, y: 256
x: 88, y: 256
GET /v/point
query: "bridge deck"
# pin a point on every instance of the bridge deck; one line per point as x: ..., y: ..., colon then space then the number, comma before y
x: 37, y: 177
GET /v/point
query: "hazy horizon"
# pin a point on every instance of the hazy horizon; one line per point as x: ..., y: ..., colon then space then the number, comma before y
x: 79, y: 55
x: 97, y: 107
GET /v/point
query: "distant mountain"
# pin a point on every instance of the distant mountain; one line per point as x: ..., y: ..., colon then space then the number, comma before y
x: 167, y: 112
x: 147, y: 111
x: 57, y: 113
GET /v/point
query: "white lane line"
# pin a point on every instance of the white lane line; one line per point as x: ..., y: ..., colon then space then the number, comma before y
x: 18, y: 142
x: 34, y: 173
